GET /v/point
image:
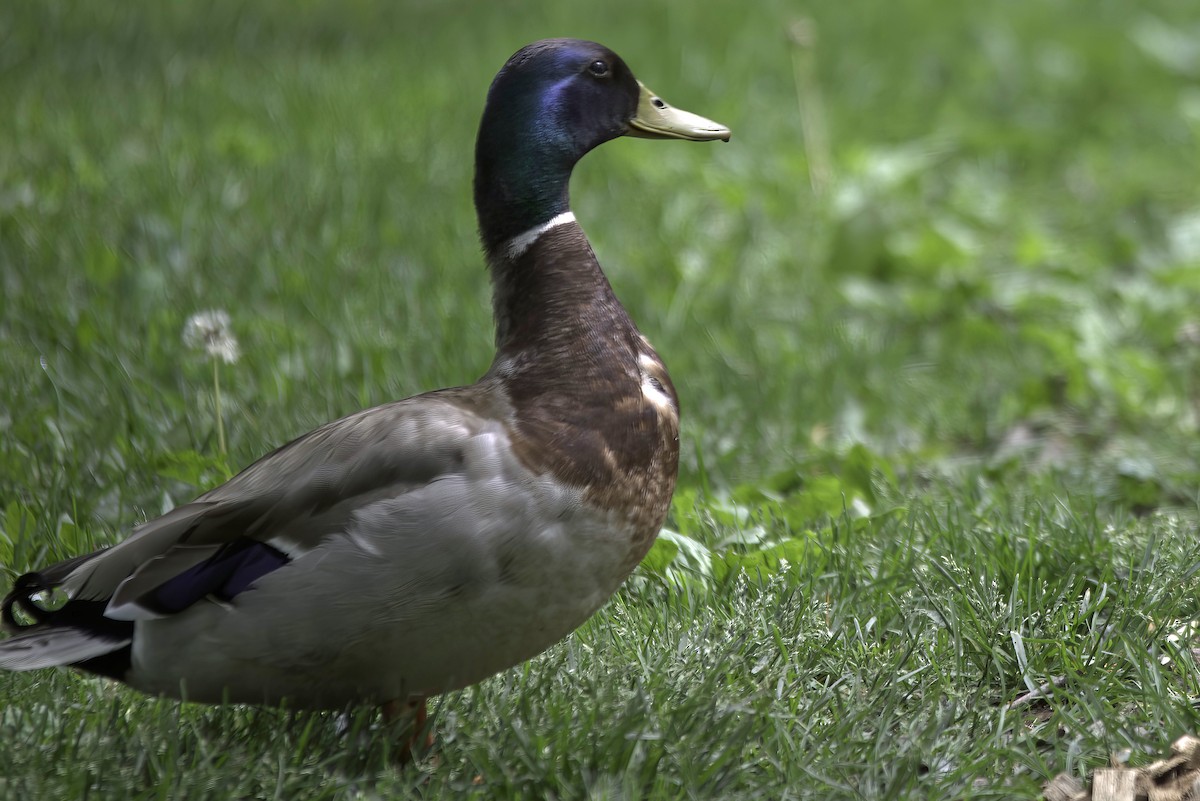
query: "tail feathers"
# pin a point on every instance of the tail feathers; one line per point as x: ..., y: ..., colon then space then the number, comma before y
x: 76, y: 635
x: 52, y: 646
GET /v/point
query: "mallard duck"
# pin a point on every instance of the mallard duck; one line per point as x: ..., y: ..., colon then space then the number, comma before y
x: 422, y: 545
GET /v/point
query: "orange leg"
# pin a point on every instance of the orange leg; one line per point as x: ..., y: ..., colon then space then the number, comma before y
x: 415, y: 711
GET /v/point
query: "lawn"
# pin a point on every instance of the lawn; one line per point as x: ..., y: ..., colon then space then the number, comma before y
x: 938, y: 354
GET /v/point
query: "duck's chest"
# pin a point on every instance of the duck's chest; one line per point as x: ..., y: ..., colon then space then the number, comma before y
x: 614, y: 436
x: 587, y: 398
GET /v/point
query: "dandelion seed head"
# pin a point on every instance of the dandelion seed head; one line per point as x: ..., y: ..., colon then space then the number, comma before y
x: 210, y: 332
x: 1188, y: 333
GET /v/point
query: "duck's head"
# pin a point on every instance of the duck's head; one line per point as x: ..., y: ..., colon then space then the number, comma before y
x: 552, y: 102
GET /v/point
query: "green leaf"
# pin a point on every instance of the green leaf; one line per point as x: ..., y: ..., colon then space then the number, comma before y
x: 661, y: 554
x: 791, y: 555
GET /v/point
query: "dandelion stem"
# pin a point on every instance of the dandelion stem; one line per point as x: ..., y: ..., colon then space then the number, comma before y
x: 803, y: 33
x: 216, y: 363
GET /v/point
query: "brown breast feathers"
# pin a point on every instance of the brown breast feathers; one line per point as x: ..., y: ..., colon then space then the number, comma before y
x: 591, y: 401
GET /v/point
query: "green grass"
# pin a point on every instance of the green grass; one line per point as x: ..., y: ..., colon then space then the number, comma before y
x: 941, y: 420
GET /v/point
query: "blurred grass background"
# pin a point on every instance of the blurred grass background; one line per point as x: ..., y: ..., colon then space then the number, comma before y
x: 990, y: 313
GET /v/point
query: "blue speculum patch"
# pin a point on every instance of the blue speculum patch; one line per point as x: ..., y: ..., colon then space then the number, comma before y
x: 225, y: 575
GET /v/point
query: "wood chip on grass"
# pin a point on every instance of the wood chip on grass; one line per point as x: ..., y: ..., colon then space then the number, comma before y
x: 1174, y: 779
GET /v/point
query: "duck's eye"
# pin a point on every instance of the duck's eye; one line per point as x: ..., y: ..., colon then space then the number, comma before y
x: 598, y: 68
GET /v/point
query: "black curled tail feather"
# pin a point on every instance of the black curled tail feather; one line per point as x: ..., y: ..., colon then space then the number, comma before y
x: 21, y: 595
x: 75, y: 619
x: 33, y: 583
